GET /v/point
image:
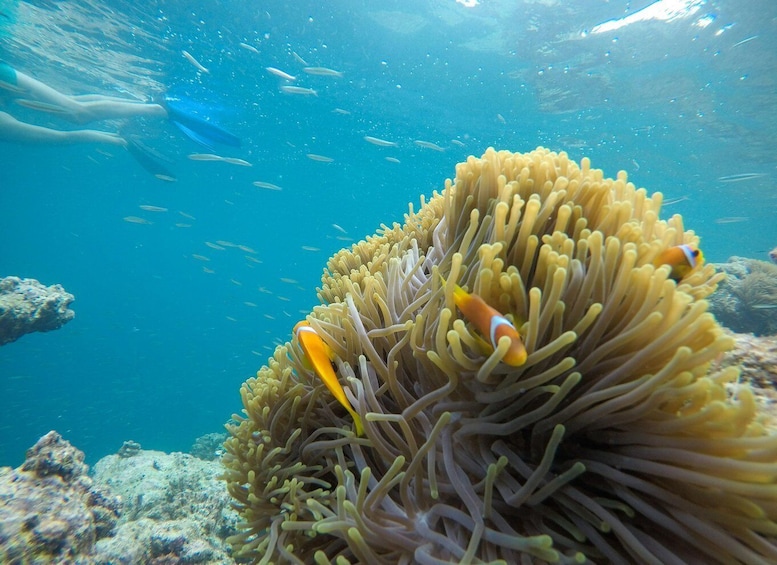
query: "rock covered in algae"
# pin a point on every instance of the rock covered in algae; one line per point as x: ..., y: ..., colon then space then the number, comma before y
x: 50, y: 509
x: 28, y: 306
x: 746, y: 301
x: 175, y: 509
x: 153, y: 508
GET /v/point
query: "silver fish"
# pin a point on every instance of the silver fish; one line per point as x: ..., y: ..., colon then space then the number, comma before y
x: 379, y: 142
x: 322, y: 72
x: 428, y: 145
x: 279, y: 73
x: 195, y: 62
x: 301, y: 90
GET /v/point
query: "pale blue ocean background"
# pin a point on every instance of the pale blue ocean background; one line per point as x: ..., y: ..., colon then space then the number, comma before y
x: 159, y: 347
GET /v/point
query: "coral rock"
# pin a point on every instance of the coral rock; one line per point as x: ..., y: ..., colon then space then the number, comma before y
x: 176, y: 509
x: 746, y: 302
x: 50, y: 510
x: 27, y: 306
x: 209, y: 446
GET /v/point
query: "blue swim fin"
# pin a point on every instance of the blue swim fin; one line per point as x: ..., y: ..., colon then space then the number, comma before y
x: 149, y: 160
x: 193, y: 135
x: 187, y: 117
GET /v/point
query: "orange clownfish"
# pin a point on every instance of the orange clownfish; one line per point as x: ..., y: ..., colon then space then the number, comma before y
x: 682, y: 259
x: 318, y: 355
x: 491, y: 323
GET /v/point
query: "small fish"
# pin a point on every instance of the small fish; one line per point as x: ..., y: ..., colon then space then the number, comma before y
x: 671, y: 201
x: 205, y: 157
x: 501, y: 119
x: 214, y: 246
x: 490, y: 322
x: 253, y: 259
x: 200, y: 257
x: 235, y: 282
x: 428, y: 145
x: 379, y: 142
x: 225, y: 243
x: 731, y: 220
x: 166, y: 178
x: 231, y: 319
x: 682, y: 259
x: 12, y: 87
x: 310, y: 248
x: 741, y: 177
x: 319, y: 158
x: 289, y: 281
x: 392, y: 159
x: 283, y: 298
x: 298, y: 90
x: 251, y: 304
x: 185, y: 215
x: 246, y: 249
x: 150, y: 208
x: 318, y: 354
x: 136, y: 220
x: 341, y: 112
x: 339, y: 228
x: 236, y: 161
x: 299, y: 59
x: 267, y: 185
x: 773, y: 255
x: 745, y: 40
x: 194, y: 62
x: 182, y: 225
x: 764, y: 306
x: 207, y: 270
x: 248, y: 47
x: 457, y: 142
x: 281, y: 74
x: 322, y: 72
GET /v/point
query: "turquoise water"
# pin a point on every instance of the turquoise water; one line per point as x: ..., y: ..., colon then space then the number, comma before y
x: 160, y: 346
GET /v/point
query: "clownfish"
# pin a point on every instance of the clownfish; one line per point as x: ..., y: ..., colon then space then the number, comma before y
x: 682, y: 259
x: 491, y: 323
x: 318, y: 354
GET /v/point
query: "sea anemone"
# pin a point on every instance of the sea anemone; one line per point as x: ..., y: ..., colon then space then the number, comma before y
x: 612, y: 442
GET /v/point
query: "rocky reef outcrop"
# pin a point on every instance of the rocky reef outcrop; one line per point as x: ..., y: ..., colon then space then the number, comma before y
x: 746, y: 302
x: 137, y: 506
x: 28, y: 306
x: 51, y: 511
x: 176, y: 509
x: 756, y: 358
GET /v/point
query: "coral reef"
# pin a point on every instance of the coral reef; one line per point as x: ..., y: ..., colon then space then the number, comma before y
x: 175, y: 507
x: 129, y: 449
x: 50, y: 510
x: 27, y: 306
x: 209, y: 447
x: 746, y: 302
x: 756, y: 358
x: 614, y: 442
